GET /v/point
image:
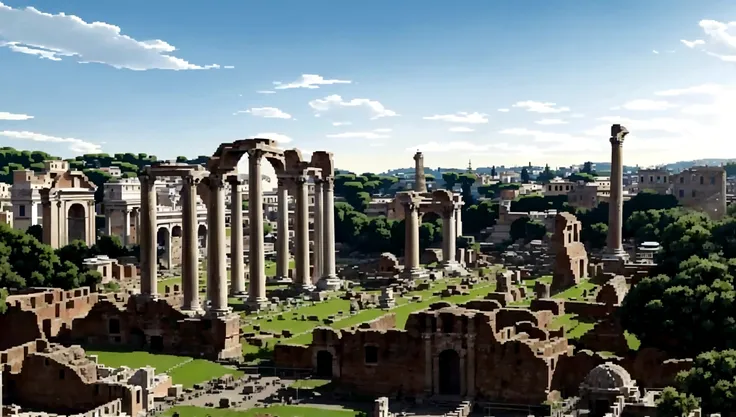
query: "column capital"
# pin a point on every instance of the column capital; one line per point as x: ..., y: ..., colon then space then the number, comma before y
x: 256, y: 155
x: 190, y: 180
x: 448, y: 211
x: 328, y: 182
x: 58, y: 204
x: 300, y: 179
x: 618, y: 133
x: 216, y: 181
x: 235, y: 181
x: 147, y: 177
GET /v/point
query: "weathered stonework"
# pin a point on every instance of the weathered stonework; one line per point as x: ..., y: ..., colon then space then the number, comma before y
x: 571, y: 258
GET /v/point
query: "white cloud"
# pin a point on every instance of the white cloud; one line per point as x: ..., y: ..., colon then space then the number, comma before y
x: 645, y: 105
x: 655, y: 52
x: 460, y: 117
x: 58, y: 36
x: 266, y: 92
x: 577, y: 115
x: 14, y: 116
x: 310, y: 81
x: 335, y: 101
x: 549, y: 122
x: 341, y: 123
x: 503, y: 110
x: 540, y: 107
x: 266, y: 112
x: 228, y: 67
x: 538, y: 135
x: 278, y: 137
x: 75, y: 145
x: 692, y: 44
x: 721, y: 41
x: 453, y: 146
x: 461, y: 129
x: 373, y: 134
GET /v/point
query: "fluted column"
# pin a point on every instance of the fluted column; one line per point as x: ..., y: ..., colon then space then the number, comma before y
x: 328, y: 227
x: 257, y: 287
x: 282, y: 237
x: 217, y: 271
x: 301, y: 226
x: 318, y: 231
x: 148, y: 245
x: 449, y: 235
x: 237, y: 277
x: 614, y: 247
x: 411, y: 248
x: 190, y: 255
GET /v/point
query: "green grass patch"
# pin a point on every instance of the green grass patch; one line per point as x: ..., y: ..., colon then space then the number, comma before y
x: 632, y: 341
x: 276, y: 410
x: 574, y: 328
x: 576, y: 292
x: 200, y: 370
x: 310, y: 383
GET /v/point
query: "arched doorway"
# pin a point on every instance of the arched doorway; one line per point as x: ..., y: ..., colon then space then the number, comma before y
x: 324, y: 364
x: 202, y: 236
x: 76, y: 223
x: 137, y: 339
x: 176, y: 231
x: 163, y: 241
x: 431, y: 217
x: 449, y: 372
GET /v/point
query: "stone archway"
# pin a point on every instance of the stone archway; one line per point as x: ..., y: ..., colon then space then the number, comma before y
x: 449, y: 373
x: 76, y: 223
x: 202, y: 236
x: 324, y: 364
x: 163, y: 244
x: 176, y: 245
x: 430, y: 217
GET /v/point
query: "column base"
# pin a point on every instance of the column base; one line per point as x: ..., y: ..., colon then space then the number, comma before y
x: 277, y: 280
x: 143, y: 297
x: 256, y: 305
x: 238, y: 294
x: 329, y: 283
x: 220, y: 312
x: 304, y: 288
x: 454, y: 268
x: 415, y: 273
x: 616, y: 255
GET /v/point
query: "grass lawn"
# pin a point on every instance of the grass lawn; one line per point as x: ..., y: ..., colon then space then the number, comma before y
x: 574, y: 329
x: 276, y: 411
x: 183, y: 370
x: 576, y: 292
x: 310, y: 383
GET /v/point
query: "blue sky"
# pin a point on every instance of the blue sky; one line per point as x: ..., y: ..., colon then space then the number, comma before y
x: 494, y: 81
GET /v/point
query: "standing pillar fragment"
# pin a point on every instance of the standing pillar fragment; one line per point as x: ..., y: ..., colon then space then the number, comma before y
x: 329, y: 274
x: 614, y: 246
x: 257, y: 287
x: 190, y: 256
x: 282, y: 237
x: 149, y: 245
x: 303, y: 279
x: 217, y: 272
x: 318, y: 232
x: 237, y: 277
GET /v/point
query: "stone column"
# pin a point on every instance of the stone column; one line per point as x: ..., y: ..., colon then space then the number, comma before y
x: 614, y: 247
x: 329, y: 274
x: 282, y: 237
x: 411, y: 248
x: 190, y: 255
x: 237, y: 269
x: 449, y: 236
x: 167, y: 249
x: 126, y: 227
x: 256, y: 257
x: 217, y: 261
x: 137, y: 222
x: 301, y: 227
x: 458, y: 221
x: 108, y: 221
x: 148, y: 245
x: 318, y: 231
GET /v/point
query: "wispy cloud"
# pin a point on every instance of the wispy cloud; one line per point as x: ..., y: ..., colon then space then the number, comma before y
x: 59, y: 36
x: 460, y: 117
x: 720, y: 42
x: 14, y: 116
x: 75, y: 145
x: 335, y: 101
x: 549, y: 122
x: 461, y: 129
x: 373, y: 134
x: 310, y: 81
x: 645, y: 105
x: 540, y: 107
x: 266, y: 112
x: 341, y: 123
x: 266, y: 92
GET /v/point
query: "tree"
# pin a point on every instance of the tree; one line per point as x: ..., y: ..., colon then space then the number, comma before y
x: 675, y: 404
x: 525, y: 178
x: 36, y: 231
x: 596, y: 235
x: 581, y: 176
x: 267, y: 228
x: 545, y: 176
x: 451, y: 179
x: 3, y: 303
x: 493, y: 171
x: 588, y: 169
x: 527, y: 229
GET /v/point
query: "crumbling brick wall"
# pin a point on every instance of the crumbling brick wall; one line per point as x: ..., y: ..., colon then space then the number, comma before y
x: 571, y: 258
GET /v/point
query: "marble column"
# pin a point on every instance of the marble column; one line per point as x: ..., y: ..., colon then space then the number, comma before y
x: 137, y: 223
x: 411, y: 248
x: 237, y: 267
x: 256, y: 257
x: 149, y: 244
x: 108, y: 221
x: 126, y: 227
x: 329, y: 274
x: 167, y: 249
x: 217, y: 261
x: 318, y: 231
x: 301, y: 228
x: 614, y: 246
x: 282, y: 237
x: 449, y: 235
x: 190, y: 255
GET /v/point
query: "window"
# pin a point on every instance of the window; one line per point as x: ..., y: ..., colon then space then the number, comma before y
x: 642, y: 179
x: 22, y: 210
x: 682, y: 193
x: 97, y: 390
x: 138, y: 397
x: 114, y: 326
x: 682, y: 180
x: 371, y: 354
x: 712, y: 180
x: 694, y: 193
x: 702, y: 180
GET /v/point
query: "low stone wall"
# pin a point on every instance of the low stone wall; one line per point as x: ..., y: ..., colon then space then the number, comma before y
x: 557, y: 307
x: 590, y: 311
x: 292, y: 356
x: 385, y: 322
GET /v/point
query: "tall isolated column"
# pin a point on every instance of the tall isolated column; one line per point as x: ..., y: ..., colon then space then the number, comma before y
x: 449, y: 235
x: 328, y: 227
x: 148, y: 246
x: 217, y: 279
x: 301, y: 226
x: 282, y: 237
x: 189, y: 235
x: 614, y: 246
x: 257, y: 288
x: 411, y: 249
x: 318, y: 231
x: 237, y: 277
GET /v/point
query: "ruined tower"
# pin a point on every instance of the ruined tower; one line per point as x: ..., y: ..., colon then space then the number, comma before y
x: 420, y: 179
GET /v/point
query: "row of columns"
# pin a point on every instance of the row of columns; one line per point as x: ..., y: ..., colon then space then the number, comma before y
x: 128, y: 214
x: 412, y: 265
